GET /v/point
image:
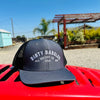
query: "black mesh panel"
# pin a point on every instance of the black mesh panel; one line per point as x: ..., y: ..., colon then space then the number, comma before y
x: 18, y: 59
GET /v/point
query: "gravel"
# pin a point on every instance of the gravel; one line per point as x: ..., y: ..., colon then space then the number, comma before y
x: 7, y: 54
x: 89, y: 57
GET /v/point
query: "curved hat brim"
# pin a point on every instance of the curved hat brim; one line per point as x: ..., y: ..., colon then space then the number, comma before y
x: 34, y: 77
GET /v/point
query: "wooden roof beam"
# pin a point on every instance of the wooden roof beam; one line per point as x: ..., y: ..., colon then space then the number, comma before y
x: 73, y: 20
x: 86, y: 20
x: 97, y: 19
x: 80, y: 16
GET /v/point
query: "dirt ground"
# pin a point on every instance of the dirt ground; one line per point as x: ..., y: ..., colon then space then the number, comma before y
x: 77, y: 57
x: 89, y: 57
x: 7, y: 54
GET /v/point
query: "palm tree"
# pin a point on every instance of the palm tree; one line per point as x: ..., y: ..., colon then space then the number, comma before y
x: 44, y: 28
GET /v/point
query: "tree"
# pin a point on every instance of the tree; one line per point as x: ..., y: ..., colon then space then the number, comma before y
x: 18, y: 38
x: 44, y: 28
x: 21, y: 38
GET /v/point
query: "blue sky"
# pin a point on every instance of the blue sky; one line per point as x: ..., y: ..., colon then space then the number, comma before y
x: 27, y: 14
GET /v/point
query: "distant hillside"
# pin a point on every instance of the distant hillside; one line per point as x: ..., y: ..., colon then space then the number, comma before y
x: 82, y: 27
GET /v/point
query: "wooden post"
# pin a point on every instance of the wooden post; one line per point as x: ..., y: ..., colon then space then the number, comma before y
x: 58, y: 32
x: 84, y: 28
x: 65, y: 37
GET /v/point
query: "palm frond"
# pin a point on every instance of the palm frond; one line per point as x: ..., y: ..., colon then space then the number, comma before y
x: 37, y: 30
x: 51, y: 31
x: 44, y: 27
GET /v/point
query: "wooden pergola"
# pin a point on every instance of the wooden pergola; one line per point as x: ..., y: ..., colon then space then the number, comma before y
x: 74, y: 18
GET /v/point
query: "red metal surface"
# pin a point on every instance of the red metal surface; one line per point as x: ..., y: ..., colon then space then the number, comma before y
x: 86, y: 86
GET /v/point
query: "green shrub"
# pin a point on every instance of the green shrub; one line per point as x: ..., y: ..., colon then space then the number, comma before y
x: 87, y: 34
x: 92, y: 34
x: 21, y: 38
x: 71, y: 36
x: 79, y: 37
x: 98, y: 32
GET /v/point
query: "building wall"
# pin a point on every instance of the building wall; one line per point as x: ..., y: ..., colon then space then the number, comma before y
x: 6, y: 39
x: 1, y: 42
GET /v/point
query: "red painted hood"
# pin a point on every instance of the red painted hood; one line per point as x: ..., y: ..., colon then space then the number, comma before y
x: 86, y: 86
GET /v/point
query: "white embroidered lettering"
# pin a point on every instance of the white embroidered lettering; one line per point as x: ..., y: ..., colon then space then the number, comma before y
x: 45, y: 55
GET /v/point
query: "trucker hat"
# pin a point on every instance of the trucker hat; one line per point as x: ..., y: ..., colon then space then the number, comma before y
x: 41, y: 61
